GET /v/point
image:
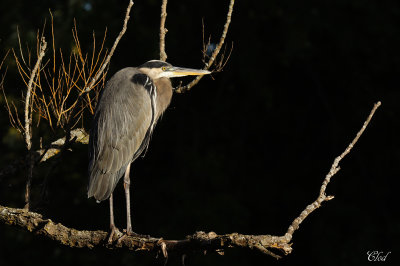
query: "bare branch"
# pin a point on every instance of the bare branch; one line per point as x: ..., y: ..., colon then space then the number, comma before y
x: 13, y: 120
x: 334, y: 169
x: 28, y: 121
x: 28, y: 117
x: 20, y: 49
x: 163, y: 30
x: 200, y: 241
x: 2, y: 61
x: 103, y: 67
x: 215, y: 53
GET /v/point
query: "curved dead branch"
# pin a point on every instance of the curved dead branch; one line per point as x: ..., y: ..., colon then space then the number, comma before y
x: 214, y: 54
x: 107, y: 61
x: 199, y: 241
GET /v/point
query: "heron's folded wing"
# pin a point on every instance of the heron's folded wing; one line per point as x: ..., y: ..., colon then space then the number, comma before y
x: 122, y: 118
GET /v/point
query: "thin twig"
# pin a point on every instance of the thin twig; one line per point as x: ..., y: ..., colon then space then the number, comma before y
x: 13, y: 123
x: 163, y: 30
x: 103, y: 67
x: 20, y: 49
x: 4, y: 59
x: 215, y: 53
x: 334, y: 169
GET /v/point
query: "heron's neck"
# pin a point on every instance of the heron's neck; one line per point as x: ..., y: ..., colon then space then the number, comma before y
x: 164, y: 95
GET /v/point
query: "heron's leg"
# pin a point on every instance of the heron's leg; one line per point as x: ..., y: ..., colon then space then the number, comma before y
x: 112, y: 224
x: 128, y: 208
x: 127, y: 183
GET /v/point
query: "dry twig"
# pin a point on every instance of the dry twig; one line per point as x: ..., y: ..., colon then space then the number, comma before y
x: 94, y: 81
x: 334, y: 169
x: 56, y: 89
x: 215, y: 53
x: 105, y: 64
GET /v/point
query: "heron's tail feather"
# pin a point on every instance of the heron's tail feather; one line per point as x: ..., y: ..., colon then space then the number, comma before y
x: 101, y: 185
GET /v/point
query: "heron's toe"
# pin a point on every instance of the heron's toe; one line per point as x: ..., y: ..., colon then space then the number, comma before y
x: 114, y: 233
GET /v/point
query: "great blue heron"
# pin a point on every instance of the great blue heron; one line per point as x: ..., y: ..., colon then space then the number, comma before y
x: 128, y: 109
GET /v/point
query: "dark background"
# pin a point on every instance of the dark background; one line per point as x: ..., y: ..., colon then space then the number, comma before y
x: 243, y: 152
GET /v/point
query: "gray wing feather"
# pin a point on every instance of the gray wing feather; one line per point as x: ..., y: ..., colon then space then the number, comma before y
x: 122, y: 118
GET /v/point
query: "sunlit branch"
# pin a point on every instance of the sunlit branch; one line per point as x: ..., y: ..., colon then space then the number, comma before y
x: 163, y: 30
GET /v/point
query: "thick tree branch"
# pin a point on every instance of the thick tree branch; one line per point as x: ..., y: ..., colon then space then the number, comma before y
x: 200, y: 241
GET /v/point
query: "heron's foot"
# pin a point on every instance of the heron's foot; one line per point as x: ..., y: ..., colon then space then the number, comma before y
x: 114, y: 232
x: 131, y: 233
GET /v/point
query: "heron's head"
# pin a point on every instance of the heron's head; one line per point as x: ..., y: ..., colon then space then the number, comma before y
x: 156, y: 69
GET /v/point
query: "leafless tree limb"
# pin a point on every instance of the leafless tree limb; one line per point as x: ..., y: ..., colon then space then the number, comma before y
x: 105, y: 64
x: 163, y: 30
x: 215, y: 53
x: 2, y: 61
x: 200, y: 241
x: 333, y: 170
x: 28, y: 120
x: 28, y: 117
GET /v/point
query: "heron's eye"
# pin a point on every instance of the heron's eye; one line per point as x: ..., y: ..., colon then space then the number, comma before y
x: 164, y: 68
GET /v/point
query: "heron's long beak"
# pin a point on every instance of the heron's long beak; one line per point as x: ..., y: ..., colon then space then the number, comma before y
x: 181, y: 71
